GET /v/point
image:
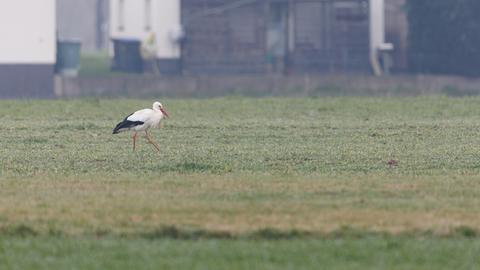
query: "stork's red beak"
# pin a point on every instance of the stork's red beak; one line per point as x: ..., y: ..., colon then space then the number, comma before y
x: 164, y: 112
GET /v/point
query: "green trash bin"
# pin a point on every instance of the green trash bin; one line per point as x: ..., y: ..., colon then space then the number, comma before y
x: 68, y: 57
x: 127, y: 56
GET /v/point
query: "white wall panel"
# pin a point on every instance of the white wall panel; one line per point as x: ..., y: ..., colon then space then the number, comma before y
x: 27, y: 31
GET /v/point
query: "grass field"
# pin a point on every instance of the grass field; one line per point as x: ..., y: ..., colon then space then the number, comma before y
x: 346, y: 183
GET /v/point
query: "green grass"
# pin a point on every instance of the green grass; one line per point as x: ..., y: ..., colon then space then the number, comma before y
x: 274, y: 136
x: 236, y: 172
x: 365, y: 253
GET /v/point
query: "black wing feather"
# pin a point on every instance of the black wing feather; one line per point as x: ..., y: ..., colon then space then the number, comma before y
x: 126, y: 124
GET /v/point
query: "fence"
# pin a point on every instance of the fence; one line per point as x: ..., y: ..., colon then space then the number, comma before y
x: 281, y: 36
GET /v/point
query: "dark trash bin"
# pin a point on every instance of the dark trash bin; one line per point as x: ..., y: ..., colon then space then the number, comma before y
x: 68, y: 57
x: 127, y: 56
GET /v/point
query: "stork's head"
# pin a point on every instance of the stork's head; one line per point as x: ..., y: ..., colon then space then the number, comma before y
x: 157, y: 106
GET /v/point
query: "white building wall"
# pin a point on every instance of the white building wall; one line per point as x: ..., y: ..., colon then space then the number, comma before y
x: 166, y: 21
x: 127, y: 21
x: 130, y: 21
x: 27, y: 31
x: 84, y: 20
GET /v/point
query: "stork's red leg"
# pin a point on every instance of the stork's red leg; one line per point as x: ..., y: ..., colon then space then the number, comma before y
x: 151, y: 141
x: 134, y: 137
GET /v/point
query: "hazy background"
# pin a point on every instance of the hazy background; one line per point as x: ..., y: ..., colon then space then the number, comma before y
x: 248, y: 47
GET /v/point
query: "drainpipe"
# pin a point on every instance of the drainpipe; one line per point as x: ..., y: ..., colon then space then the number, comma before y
x: 377, y: 33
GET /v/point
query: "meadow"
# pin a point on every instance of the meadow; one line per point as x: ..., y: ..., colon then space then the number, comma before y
x: 270, y: 183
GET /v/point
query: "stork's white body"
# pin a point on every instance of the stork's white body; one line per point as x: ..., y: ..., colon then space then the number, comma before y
x: 149, y: 117
x: 143, y: 120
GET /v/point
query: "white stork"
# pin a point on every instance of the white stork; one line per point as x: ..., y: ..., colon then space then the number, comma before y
x: 143, y: 120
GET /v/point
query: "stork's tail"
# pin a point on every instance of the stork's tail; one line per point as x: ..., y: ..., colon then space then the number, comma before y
x: 118, y: 128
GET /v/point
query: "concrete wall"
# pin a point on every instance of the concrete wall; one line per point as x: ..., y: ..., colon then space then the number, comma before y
x: 26, y: 81
x: 308, y: 85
